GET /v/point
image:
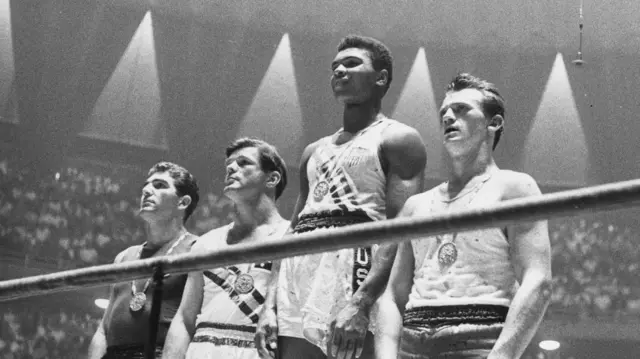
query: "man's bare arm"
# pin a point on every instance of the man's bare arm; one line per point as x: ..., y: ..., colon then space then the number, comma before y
x: 392, y: 304
x: 266, y: 337
x: 98, y: 345
x: 530, y: 253
x: 405, y: 157
x: 183, y: 325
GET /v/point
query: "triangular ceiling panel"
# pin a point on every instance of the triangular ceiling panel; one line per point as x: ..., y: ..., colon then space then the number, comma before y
x: 128, y: 109
x: 417, y: 108
x: 556, y: 150
x: 275, y: 115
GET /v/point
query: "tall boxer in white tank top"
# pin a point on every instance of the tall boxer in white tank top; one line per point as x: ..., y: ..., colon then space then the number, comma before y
x: 364, y: 172
x: 471, y: 294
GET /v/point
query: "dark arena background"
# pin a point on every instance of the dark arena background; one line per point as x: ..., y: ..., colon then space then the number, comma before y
x: 92, y: 93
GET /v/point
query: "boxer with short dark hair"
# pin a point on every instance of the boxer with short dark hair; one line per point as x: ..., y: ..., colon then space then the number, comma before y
x: 362, y: 173
x: 169, y: 197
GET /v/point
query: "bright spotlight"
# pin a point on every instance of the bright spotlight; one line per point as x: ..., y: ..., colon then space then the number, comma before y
x: 549, y: 345
x: 102, y: 303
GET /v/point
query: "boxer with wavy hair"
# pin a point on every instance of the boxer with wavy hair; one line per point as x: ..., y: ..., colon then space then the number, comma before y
x: 220, y: 307
x: 468, y: 294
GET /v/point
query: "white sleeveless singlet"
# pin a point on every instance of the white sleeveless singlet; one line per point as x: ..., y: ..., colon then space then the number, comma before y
x: 471, y: 267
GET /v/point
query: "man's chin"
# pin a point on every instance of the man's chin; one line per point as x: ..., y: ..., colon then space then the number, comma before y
x: 230, y: 191
x: 144, y: 211
x: 344, y: 99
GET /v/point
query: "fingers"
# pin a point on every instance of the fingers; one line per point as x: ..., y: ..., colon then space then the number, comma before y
x: 334, y: 343
x: 262, y: 350
x: 272, y: 343
x: 266, y: 343
x: 346, y: 345
x: 347, y: 350
x: 359, y: 346
x: 266, y: 352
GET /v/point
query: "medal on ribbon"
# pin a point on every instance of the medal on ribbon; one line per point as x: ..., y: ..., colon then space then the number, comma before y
x: 244, y: 283
x: 138, y: 301
x: 447, y: 254
x: 321, y: 190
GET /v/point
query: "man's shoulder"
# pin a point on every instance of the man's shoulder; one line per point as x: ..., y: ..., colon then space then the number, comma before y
x: 396, y: 129
x: 213, y: 238
x: 403, y: 146
x: 308, y: 151
x: 421, y: 199
x: 124, y: 254
x: 517, y: 184
x: 402, y: 138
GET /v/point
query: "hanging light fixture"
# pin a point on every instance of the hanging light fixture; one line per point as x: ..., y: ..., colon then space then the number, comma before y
x: 579, y: 61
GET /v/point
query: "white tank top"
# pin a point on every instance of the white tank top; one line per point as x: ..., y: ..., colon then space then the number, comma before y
x: 349, y: 176
x: 471, y: 267
x: 230, y: 296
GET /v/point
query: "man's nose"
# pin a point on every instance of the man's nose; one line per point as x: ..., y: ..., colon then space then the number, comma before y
x: 231, y: 168
x: 339, y: 72
x: 448, y: 118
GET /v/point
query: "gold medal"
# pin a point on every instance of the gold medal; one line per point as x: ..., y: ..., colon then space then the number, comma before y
x: 321, y: 190
x: 138, y: 301
x: 447, y: 254
x: 244, y: 283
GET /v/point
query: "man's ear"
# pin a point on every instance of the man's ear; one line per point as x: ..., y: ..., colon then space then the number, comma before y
x: 273, y: 179
x: 185, y: 201
x: 496, y: 123
x: 383, y: 78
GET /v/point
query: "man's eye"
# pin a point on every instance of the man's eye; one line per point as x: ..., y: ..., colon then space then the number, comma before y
x: 351, y: 63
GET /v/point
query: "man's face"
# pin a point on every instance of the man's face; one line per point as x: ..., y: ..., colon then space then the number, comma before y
x: 462, y: 120
x: 245, y: 176
x: 159, y: 196
x: 353, y: 78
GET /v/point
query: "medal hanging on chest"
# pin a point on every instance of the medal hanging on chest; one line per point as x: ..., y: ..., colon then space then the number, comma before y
x: 139, y: 299
x: 322, y: 187
x: 244, y: 283
x: 448, y: 252
x: 321, y: 190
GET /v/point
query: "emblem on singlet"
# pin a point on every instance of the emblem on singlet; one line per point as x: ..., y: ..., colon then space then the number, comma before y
x: 447, y: 254
x: 137, y: 301
x: 320, y: 191
x: 244, y: 283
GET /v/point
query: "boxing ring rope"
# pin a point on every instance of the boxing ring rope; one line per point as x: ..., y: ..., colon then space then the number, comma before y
x: 559, y: 204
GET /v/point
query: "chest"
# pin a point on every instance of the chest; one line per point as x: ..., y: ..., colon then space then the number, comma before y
x: 456, y: 246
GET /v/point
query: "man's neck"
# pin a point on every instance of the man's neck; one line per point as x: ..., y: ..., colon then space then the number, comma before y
x: 465, y: 167
x: 358, y: 116
x: 248, y: 215
x: 162, y: 232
